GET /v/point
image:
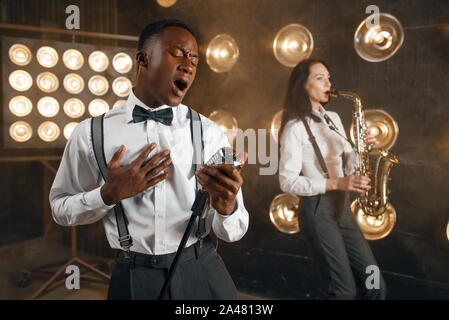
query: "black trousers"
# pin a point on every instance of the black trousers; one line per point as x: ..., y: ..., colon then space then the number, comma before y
x: 339, y: 246
x: 201, y: 275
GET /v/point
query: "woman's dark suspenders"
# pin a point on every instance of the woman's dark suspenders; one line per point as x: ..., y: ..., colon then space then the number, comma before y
x: 97, y: 135
x: 316, y: 148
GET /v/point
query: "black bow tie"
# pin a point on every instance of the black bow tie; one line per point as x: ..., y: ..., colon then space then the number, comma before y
x: 164, y: 116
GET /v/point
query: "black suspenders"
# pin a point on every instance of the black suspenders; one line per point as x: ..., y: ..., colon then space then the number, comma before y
x: 196, y: 130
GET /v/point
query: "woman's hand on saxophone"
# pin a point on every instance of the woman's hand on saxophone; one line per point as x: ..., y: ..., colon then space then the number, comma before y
x: 370, y: 138
x: 353, y: 183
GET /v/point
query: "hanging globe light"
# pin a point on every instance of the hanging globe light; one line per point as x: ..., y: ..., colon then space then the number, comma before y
x: 222, y: 53
x: 226, y: 122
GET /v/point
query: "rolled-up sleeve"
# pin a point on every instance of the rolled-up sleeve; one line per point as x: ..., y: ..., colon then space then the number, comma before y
x: 231, y: 227
x: 290, y: 164
x: 75, y: 197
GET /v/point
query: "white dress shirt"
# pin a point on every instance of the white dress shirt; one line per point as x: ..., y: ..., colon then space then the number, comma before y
x: 158, y: 216
x: 300, y: 172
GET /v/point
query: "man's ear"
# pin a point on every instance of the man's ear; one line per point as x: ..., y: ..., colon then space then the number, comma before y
x: 142, y: 59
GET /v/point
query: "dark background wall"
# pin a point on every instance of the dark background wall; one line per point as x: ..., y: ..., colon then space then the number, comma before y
x: 411, y: 86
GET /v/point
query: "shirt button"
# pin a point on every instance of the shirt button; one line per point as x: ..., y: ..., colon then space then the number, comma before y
x: 161, y: 241
x: 154, y: 260
x: 160, y: 216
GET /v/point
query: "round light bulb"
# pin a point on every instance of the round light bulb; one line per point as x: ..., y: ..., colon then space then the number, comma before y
x: 20, y: 80
x: 47, y: 57
x: 74, y: 108
x: 166, y: 3
x: 122, y: 86
x: 117, y: 103
x: 47, y: 82
x: 68, y: 129
x: 98, y: 61
x: 73, y: 83
x: 20, y: 131
x: 48, y: 131
x: 20, y: 54
x: 98, y: 85
x: 292, y: 44
x: 48, y: 107
x: 227, y: 122
x: 20, y: 106
x: 222, y: 53
x: 97, y: 107
x: 73, y: 59
x: 122, y: 62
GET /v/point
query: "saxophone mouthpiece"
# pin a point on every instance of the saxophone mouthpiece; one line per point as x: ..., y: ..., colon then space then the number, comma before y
x: 333, y: 93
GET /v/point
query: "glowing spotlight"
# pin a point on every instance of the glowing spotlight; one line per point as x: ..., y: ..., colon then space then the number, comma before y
x: 284, y: 213
x: 73, y: 59
x: 97, y: 107
x: 122, y: 86
x: 222, y: 53
x: 48, y: 131
x: 47, y: 57
x: 20, y: 80
x: 48, y: 107
x: 98, y: 85
x: 20, y: 131
x: 20, y: 106
x: 98, y: 61
x: 378, y: 42
x: 118, y: 102
x: 73, y: 83
x: 292, y: 44
x: 47, y: 82
x: 68, y: 129
x: 276, y: 125
x: 166, y: 3
x: 122, y: 62
x: 74, y: 108
x: 20, y: 54
x: 226, y: 122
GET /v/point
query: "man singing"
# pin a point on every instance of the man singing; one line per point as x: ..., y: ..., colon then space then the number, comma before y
x: 150, y: 173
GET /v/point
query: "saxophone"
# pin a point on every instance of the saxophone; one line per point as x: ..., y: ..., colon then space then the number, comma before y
x: 375, y: 201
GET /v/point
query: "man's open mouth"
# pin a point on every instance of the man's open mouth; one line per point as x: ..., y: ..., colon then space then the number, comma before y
x: 180, y: 84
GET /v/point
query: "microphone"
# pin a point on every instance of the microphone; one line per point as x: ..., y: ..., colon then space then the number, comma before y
x: 226, y: 155
x: 223, y: 155
x: 200, y: 209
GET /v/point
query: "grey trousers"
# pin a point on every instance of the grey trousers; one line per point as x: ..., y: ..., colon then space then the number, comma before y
x: 201, y: 275
x: 339, y: 246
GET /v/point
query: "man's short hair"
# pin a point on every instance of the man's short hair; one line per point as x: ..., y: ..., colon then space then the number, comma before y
x: 157, y: 27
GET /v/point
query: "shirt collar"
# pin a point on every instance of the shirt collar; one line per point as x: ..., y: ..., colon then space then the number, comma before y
x: 320, y: 113
x: 131, y: 103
